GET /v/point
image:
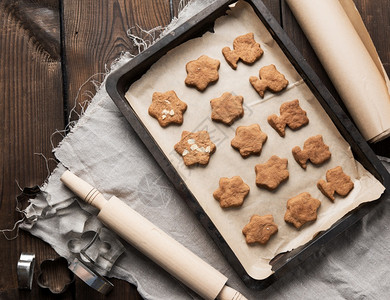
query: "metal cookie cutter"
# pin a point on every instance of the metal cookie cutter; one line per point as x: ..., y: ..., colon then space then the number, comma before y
x: 47, y: 280
x: 91, y: 278
x: 25, y: 270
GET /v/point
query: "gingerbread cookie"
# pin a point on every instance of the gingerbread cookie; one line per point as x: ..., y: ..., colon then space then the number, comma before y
x: 314, y: 149
x: 291, y: 115
x: 231, y: 192
x: 259, y: 229
x: 336, y: 182
x: 245, y: 48
x: 249, y: 140
x: 270, y: 79
x: 167, y: 108
x: 195, y: 147
x: 301, y: 209
x: 272, y: 173
x: 227, y: 108
x: 201, y: 72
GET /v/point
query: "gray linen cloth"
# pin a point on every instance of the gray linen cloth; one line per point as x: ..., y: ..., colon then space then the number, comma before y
x: 104, y: 150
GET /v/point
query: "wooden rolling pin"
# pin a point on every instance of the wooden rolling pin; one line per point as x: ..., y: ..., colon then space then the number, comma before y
x: 154, y: 243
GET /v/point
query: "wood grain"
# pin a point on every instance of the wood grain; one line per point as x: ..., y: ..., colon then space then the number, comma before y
x: 31, y: 110
x: 90, y: 47
x: 48, y: 49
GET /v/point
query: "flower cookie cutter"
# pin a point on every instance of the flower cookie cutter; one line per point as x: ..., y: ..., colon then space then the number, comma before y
x: 49, y: 279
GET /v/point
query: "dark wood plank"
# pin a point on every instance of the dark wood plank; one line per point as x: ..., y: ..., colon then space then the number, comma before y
x: 92, y: 45
x: 94, y: 35
x: 376, y: 17
x: 275, y: 9
x: 31, y: 110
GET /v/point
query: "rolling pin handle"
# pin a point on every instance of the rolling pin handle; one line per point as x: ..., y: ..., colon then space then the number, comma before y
x: 228, y: 293
x: 83, y: 190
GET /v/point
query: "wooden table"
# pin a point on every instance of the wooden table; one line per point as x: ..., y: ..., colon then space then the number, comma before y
x: 48, y: 50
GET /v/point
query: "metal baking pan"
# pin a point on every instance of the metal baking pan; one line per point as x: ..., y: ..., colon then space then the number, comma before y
x: 119, y: 82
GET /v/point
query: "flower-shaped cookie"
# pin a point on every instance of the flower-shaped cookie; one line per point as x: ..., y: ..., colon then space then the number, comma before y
x: 245, y: 48
x: 314, y: 149
x: 227, y: 108
x: 301, y: 209
x: 259, y: 229
x: 249, y: 140
x: 231, y: 192
x: 272, y: 173
x: 270, y: 79
x: 195, y: 147
x: 291, y: 115
x: 167, y: 108
x: 336, y: 182
x: 201, y: 72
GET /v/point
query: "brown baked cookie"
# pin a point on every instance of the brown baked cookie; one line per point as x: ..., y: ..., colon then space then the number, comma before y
x: 291, y: 115
x: 167, y: 108
x: 231, y: 192
x: 249, y: 140
x: 270, y: 79
x: 301, y: 209
x: 314, y: 149
x: 245, y: 48
x: 259, y: 229
x: 195, y: 147
x: 336, y: 181
x: 272, y: 173
x: 201, y: 72
x: 227, y: 108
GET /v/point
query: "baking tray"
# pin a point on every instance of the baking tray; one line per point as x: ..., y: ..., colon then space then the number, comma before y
x: 119, y: 82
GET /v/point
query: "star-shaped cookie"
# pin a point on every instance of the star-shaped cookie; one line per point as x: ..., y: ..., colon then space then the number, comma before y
x: 231, y: 192
x: 270, y: 79
x: 227, y: 108
x: 272, y: 173
x: 167, y: 108
x: 245, y: 48
x: 291, y: 115
x: 259, y: 229
x: 336, y: 182
x: 301, y: 209
x: 195, y: 147
x: 201, y: 72
x: 249, y: 140
x: 314, y: 149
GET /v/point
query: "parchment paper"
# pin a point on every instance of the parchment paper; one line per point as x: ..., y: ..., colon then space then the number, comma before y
x: 169, y: 73
x: 347, y: 53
